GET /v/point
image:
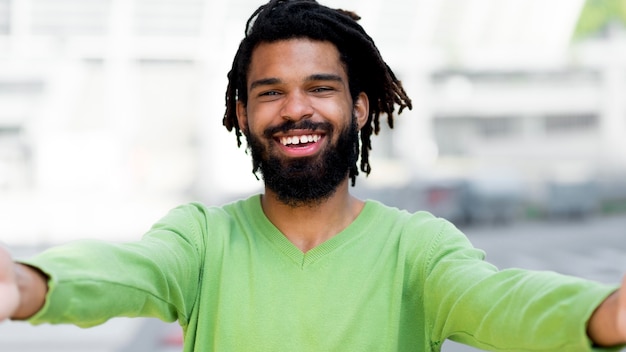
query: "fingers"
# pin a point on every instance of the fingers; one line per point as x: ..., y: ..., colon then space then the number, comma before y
x: 9, y: 293
x: 621, y: 315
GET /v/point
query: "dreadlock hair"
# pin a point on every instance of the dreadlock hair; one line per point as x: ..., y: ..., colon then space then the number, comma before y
x: 367, y: 72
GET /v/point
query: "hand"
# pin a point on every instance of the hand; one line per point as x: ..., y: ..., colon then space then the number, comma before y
x: 9, y: 292
x: 607, y: 326
x: 621, y: 313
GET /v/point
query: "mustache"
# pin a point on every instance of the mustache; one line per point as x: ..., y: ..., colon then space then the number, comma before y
x: 299, y: 125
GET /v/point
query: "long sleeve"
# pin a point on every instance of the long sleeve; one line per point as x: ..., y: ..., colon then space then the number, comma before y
x: 158, y: 276
x: 470, y: 301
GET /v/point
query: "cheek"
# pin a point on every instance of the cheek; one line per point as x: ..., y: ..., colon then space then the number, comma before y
x: 342, y: 117
x: 260, y: 117
x: 256, y: 128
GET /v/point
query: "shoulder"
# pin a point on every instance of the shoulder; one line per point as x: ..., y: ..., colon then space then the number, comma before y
x: 200, y: 214
x: 420, y: 225
x: 196, y: 221
x: 420, y: 234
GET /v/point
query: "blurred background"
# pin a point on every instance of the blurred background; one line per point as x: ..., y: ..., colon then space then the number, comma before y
x: 110, y: 115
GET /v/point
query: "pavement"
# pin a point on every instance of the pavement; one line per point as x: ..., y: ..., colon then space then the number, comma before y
x: 22, y: 337
x: 593, y: 248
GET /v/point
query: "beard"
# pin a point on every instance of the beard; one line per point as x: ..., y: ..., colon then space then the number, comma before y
x: 307, y: 180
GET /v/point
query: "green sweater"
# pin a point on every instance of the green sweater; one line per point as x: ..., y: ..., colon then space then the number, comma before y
x: 391, y: 281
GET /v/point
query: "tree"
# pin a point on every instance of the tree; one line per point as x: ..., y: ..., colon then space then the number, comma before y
x: 598, y: 16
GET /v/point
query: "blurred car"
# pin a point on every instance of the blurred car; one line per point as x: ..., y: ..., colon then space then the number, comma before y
x: 480, y: 199
x: 572, y: 200
x: 492, y: 199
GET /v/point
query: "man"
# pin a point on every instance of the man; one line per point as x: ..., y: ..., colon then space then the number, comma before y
x: 306, y: 266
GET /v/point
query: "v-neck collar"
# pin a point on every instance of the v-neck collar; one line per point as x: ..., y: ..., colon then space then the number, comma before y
x: 279, y: 240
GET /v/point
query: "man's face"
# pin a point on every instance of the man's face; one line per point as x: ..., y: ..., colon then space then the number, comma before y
x: 300, y: 120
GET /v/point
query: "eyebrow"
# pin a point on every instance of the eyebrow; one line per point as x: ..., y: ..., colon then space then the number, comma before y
x: 264, y: 82
x: 325, y: 77
x: 311, y: 78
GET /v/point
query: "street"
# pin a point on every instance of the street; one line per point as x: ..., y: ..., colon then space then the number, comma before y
x: 593, y: 248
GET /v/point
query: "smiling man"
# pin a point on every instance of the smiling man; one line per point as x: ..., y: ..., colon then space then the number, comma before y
x: 300, y: 120
x: 306, y: 266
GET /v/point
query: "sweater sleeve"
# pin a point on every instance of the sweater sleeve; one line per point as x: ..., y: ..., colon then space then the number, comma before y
x: 92, y: 281
x: 470, y: 301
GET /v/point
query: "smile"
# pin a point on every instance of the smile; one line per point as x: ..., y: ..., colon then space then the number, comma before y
x: 296, y: 140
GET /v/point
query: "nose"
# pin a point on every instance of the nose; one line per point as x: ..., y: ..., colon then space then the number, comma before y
x: 297, y: 106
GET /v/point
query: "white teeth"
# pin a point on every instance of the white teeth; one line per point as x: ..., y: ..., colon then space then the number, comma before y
x: 295, y: 140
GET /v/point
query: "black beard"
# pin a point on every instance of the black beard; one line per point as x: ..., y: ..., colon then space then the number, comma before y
x: 308, y: 180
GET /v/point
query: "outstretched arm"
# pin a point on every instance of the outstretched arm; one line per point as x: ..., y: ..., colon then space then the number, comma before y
x: 22, y: 288
x: 607, y: 325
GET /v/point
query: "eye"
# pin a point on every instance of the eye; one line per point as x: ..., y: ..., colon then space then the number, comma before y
x: 269, y: 93
x: 322, y: 89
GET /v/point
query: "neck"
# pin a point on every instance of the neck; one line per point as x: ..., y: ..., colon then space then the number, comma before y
x: 309, y: 225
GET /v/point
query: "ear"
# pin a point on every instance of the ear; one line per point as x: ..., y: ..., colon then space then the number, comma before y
x: 242, y: 116
x: 361, y: 109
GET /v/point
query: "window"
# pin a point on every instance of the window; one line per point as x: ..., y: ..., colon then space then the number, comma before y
x: 570, y: 123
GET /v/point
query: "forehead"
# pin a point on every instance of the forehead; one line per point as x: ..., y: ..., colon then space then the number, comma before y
x: 293, y: 57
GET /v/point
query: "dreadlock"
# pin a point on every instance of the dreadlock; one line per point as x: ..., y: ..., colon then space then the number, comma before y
x: 366, y: 70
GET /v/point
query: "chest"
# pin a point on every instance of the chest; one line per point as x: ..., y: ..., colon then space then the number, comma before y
x: 337, y: 299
